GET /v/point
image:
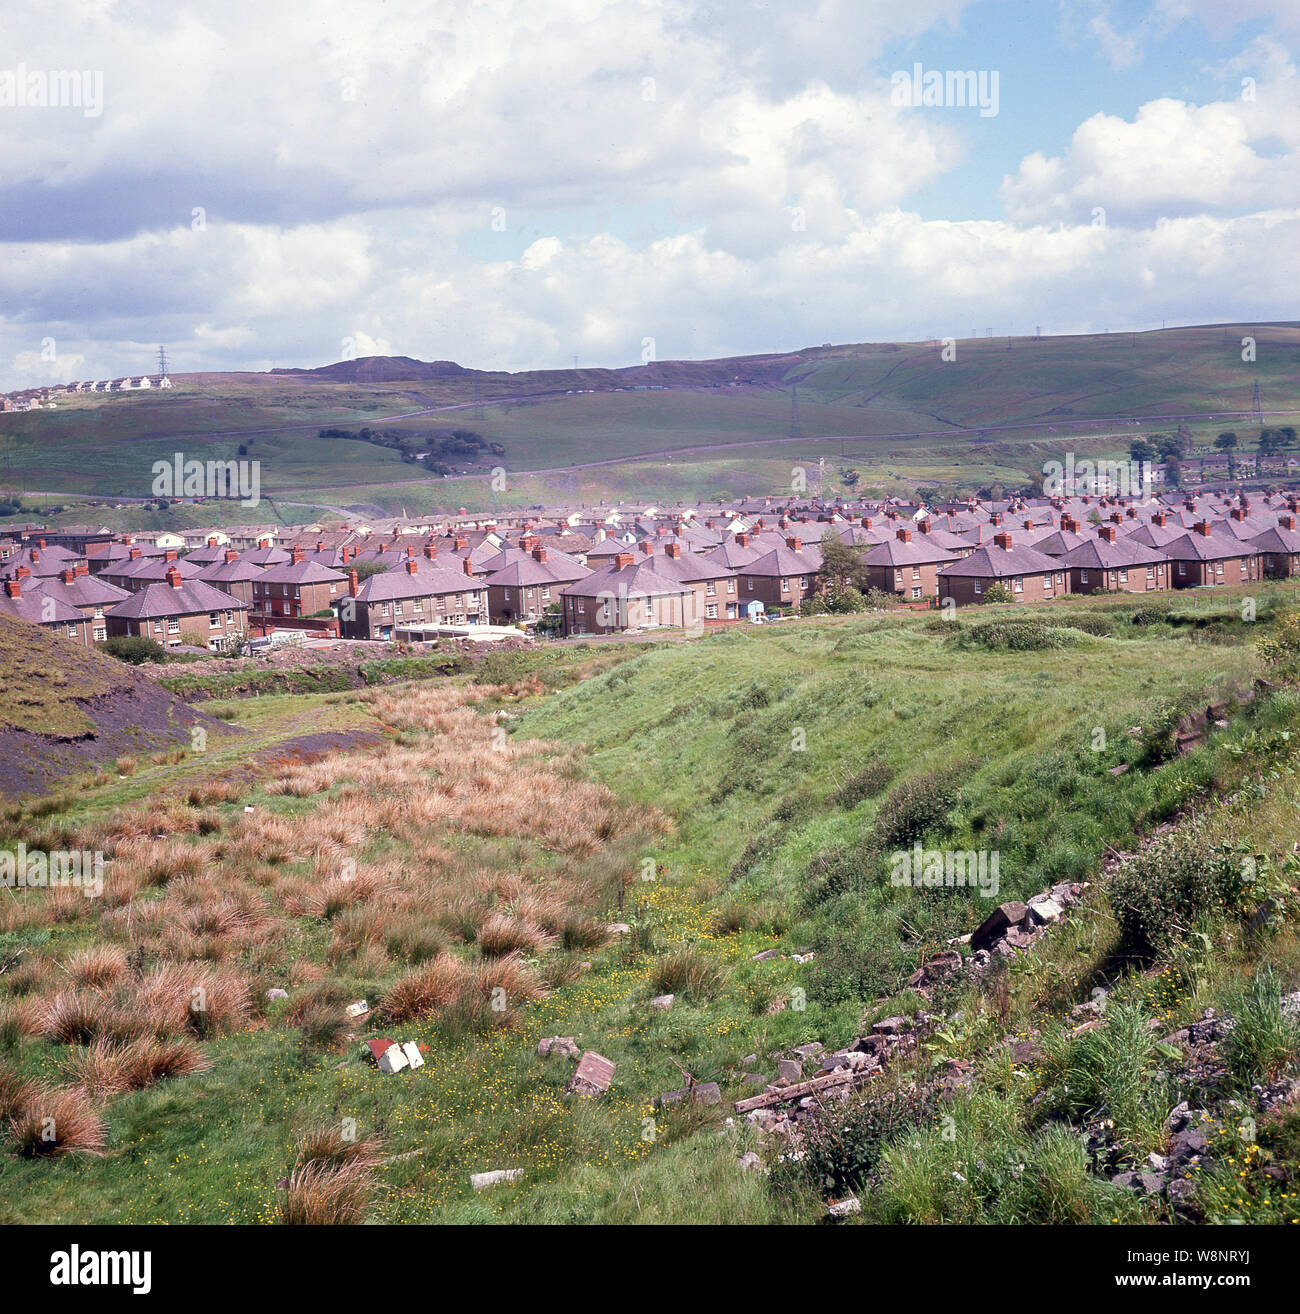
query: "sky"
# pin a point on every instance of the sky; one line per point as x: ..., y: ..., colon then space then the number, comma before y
x: 521, y: 185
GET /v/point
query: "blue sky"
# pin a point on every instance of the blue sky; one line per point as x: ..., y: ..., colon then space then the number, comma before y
x: 513, y: 185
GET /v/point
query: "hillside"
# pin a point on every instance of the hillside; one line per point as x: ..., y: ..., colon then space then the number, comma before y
x: 666, y: 430
x: 65, y: 711
x: 716, y: 821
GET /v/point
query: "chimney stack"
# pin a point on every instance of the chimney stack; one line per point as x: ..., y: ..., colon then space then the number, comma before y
x: 174, y: 577
x: 1202, y: 527
x: 673, y: 550
x: 67, y: 577
x: 352, y: 583
x: 794, y: 544
x: 539, y: 554
x: 1002, y: 540
x: 13, y: 589
x: 1159, y: 519
x: 170, y: 554
x: 231, y: 556
x: 904, y: 535
x: 412, y: 566
x: 134, y: 554
x: 1107, y: 532
x: 623, y: 560
x: 295, y: 557
x: 1286, y: 522
x: 465, y: 565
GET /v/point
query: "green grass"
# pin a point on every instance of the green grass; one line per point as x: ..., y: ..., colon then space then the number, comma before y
x: 789, y: 758
x: 998, y: 415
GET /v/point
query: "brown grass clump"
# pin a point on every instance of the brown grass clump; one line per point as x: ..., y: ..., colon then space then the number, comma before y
x: 106, y: 1069
x: 318, y: 1013
x: 97, y: 966
x: 51, y: 1123
x: 126, y: 765
x: 322, y: 1194
x: 427, y: 990
x: 502, y: 933
x: 15, y: 1092
x: 81, y: 1017
x: 179, y: 997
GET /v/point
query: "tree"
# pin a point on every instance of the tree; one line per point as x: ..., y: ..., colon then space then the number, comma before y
x: 849, y: 477
x: 1225, y: 442
x: 841, y: 566
x: 1142, y: 451
x: 365, y: 569
x: 929, y: 495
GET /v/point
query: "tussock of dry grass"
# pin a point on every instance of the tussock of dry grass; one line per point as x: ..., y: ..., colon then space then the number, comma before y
x: 447, y: 864
x: 51, y: 1123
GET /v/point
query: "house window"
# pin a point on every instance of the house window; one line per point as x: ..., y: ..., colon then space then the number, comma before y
x: 710, y: 589
x: 785, y: 586
x: 749, y: 583
x: 1123, y: 576
x: 711, y: 610
x: 731, y: 586
x: 1019, y: 583
x: 916, y: 572
x: 1182, y: 568
x: 916, y: 591
x: 1151, y: 572
x: 979, y: 586
x: 1083, y: 577
x: 505, y: 593
x: 214, y: 619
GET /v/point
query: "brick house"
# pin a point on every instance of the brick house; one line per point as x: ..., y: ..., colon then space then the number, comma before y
x: 907, y: 565
x: 1207, y: 557
x: 528, y: 582
x: 1028, y: 575
x: 1117, y: 564
x: 233, y: 574
x: 48, y: 612
x: 780, y: 578
x: 717, y: 593
x: 90, y: 596
x: 138, y: 571
x: 297, y: 588
x: 412, y: 596
x: 180, y: 611
x: 1279, y: 548
x: 624, y: 595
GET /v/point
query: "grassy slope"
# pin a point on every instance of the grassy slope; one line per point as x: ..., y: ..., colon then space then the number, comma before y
x: 106, y: 445
x: 705, y: 732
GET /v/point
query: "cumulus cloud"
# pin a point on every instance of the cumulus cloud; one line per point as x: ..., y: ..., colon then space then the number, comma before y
x: 509, y: 185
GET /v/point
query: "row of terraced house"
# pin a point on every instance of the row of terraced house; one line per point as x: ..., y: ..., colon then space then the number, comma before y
x: 621, y: 572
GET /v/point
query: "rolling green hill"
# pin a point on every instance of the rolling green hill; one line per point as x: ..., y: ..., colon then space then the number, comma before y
x: 896, y: 412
